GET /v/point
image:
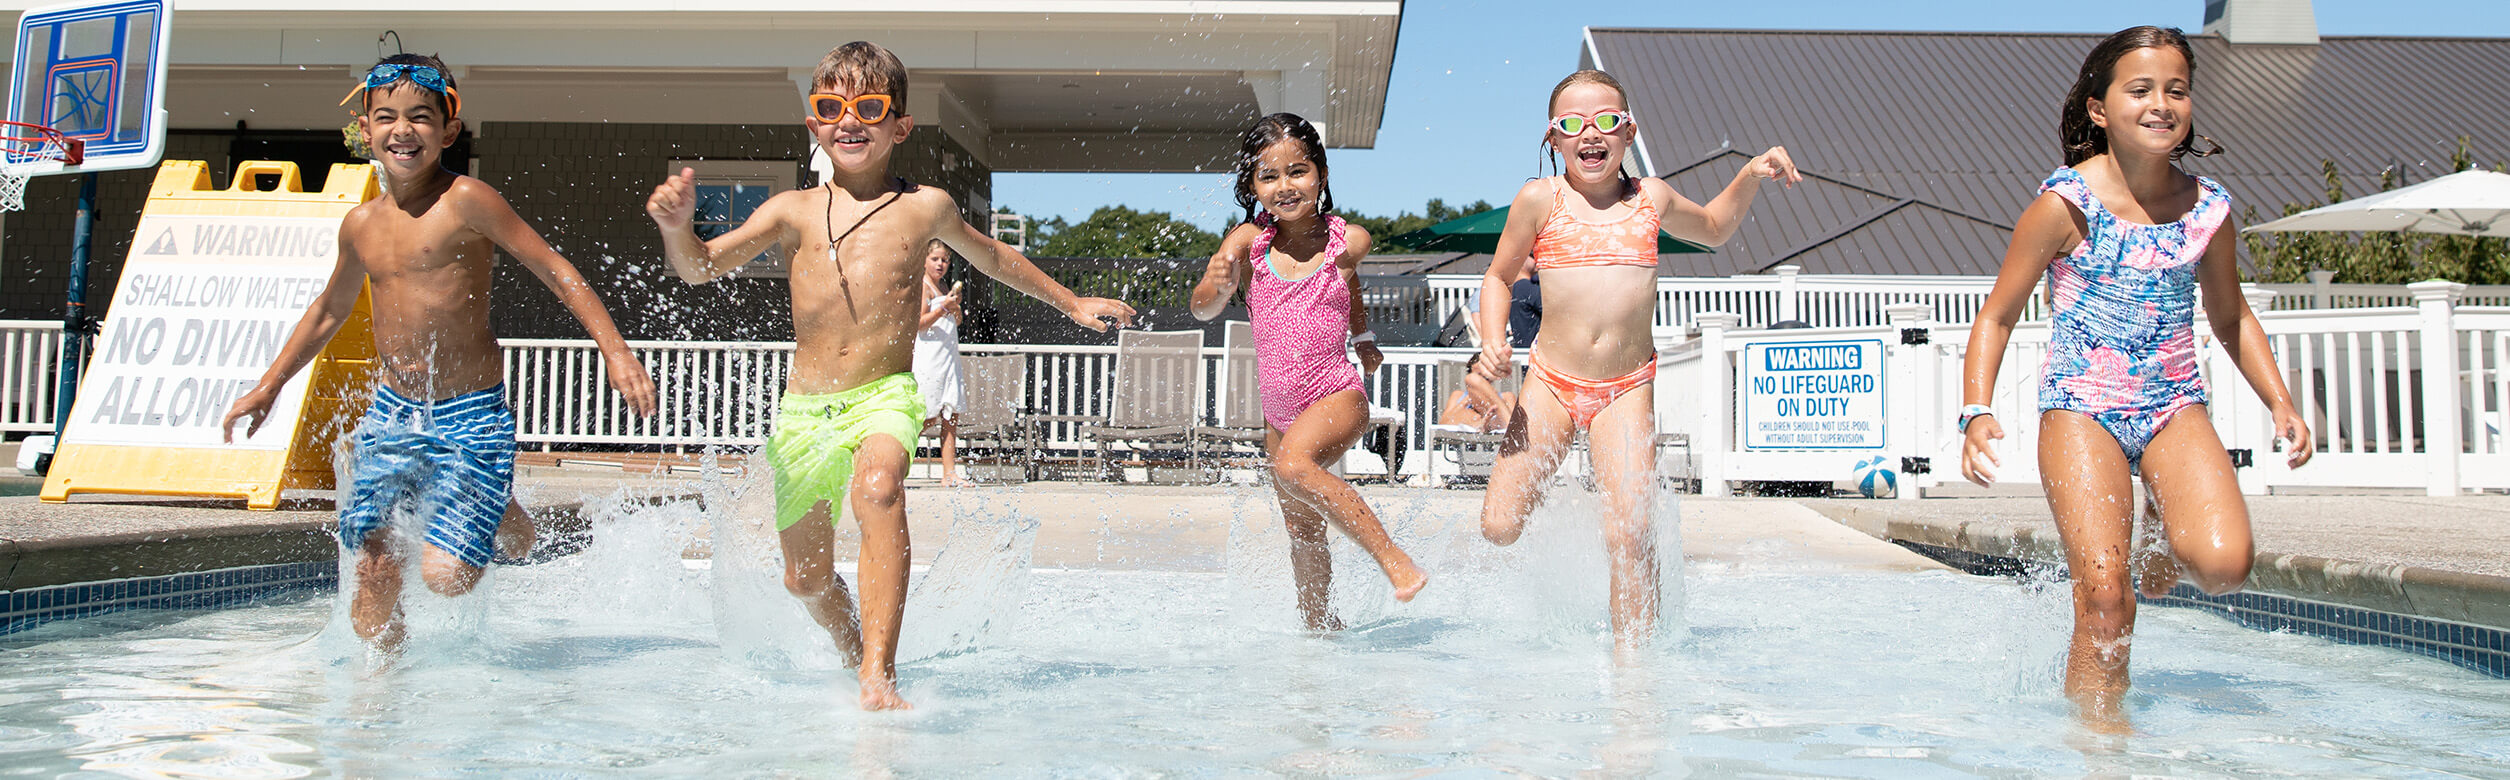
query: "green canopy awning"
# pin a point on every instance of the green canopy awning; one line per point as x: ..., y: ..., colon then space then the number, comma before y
x: 1479, y: 233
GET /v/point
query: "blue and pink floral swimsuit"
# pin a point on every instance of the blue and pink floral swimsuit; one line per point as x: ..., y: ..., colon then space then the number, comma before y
x: 2122, y: 343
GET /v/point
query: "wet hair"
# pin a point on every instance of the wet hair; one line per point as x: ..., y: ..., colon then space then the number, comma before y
x: 443, y: 103
x: 1587, y: 76
x: 1272, y: 130
x: 863, y: 67
x: 2078, y: 137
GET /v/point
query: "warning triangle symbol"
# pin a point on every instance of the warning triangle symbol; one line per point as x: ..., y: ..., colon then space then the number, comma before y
x: 164, y: 245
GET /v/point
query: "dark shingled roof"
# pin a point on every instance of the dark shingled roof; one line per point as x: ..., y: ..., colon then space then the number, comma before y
x: 1919, y: 148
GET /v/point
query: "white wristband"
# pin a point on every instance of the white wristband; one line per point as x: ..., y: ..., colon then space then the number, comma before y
x: 1369, y: 336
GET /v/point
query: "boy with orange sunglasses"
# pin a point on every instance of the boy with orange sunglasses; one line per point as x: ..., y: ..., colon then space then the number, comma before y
x: 851, y: 411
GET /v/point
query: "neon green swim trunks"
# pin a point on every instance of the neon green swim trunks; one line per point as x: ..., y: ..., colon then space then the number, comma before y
x: 816, y: 435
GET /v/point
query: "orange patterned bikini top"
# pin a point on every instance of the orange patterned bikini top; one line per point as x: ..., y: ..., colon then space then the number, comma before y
x: 1568, y: 242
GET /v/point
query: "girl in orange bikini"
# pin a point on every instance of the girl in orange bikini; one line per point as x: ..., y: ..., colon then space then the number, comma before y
x: 1591, y: 235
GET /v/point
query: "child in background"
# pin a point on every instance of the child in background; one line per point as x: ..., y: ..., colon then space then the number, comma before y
x: 1590, y: 234
x: 851, y: 409
x: 1478, y: 406
x: 1300, y: 266
x: 438, y: 433
x: 2127, y: 237
x: 937, y: 358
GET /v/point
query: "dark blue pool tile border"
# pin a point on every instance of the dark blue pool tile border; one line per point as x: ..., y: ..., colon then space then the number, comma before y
x: 25, y: 609
x: 2481, y: 648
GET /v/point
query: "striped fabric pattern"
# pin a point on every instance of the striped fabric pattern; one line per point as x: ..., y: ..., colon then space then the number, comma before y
x: 450, y: 460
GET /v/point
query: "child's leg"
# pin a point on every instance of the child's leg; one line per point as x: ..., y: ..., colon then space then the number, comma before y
x: 1539, y: 430
x: 375, y: 612
x: 810, y: 575
x: 516, y: 532
x: 879, y: 498
x: 2204, y: 516
x: 1320, y: 435
x: 1311, y: 559
x: 1624, y: 443
x: 2089, y: 492
x: 445, y: 574
x: 949, y: 449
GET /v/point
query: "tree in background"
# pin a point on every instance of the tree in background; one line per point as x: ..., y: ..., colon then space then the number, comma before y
x: 2377, y: 258
x: 1119, y: 231
x: 1384, y: 229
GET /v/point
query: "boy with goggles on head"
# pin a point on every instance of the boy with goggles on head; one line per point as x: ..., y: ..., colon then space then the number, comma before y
x: 851, y: 409
x: 438, y: 435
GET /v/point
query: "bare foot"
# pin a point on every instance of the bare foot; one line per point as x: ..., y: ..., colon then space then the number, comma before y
x: 1408, y: 582
x: 880, y: 693
x: 2156, y: 569
x: 1325, y: 623
x: 2103, y: 713
x: 517, y: 532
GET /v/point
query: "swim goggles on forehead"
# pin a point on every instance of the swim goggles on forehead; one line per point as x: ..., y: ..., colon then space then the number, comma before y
x: 872, y: 108
x: 426, y: 77
x: 1602, y: 121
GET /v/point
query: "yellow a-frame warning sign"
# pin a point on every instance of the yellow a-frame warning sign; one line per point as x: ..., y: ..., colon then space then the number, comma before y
x: 215, y: 281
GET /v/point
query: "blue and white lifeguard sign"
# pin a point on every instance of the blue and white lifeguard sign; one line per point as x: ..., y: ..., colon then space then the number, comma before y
x: 1813, y: 395
x: 96, y: 72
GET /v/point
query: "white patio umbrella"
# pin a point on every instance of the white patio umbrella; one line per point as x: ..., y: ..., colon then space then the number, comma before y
x: 2466, y: 203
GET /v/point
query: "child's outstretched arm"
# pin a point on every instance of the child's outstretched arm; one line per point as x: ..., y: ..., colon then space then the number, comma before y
x: 322, y: 319
x: 1516, y: 248
x: 2244, y: 340
x: 1226, y: 271
x: 673, y: 206
x: 2045, y: 231
x: 1716, y: 222
x: 487, y: 212
x: 1000, y: 261
x: 1356, y: 244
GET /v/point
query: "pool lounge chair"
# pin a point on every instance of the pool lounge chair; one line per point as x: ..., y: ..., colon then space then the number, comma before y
x: 1156, y: 378
x: 993, y: 421
x: 1241, y: 424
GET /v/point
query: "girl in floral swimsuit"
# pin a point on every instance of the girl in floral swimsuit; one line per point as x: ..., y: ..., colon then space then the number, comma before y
x: 1300, y: 267
x: 1591, y: 235
x: 2126, y: 238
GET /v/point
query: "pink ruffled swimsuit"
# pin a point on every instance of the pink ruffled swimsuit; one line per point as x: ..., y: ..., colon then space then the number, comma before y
x: 1301, y: 326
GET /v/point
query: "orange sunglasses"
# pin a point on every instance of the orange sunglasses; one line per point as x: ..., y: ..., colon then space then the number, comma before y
x: 872, y: 109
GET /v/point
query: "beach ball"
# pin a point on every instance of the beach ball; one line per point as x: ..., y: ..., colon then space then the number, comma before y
x: 1875, y: 479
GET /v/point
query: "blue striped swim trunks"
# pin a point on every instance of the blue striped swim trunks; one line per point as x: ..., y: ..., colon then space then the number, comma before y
x: 452, y: 460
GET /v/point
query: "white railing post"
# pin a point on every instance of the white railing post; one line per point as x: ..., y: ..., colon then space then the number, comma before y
x: 2322, y: 289
x: 1716, y: 401
x: 2439, y: 360
x: 1787, y: 304
x: 1914, y: 410
x: 2241, y: 417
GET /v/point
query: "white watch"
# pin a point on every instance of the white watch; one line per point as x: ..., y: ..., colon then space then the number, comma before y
x: 1369, y: 336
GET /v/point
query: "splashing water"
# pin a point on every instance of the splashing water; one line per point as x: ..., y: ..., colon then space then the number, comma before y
x: 1162, y: 641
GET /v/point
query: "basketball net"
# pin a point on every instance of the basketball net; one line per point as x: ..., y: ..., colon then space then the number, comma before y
x: 40, y: 150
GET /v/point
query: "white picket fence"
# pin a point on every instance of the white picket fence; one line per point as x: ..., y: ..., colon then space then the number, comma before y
x: 30, y: 360
x: 2359, y: 376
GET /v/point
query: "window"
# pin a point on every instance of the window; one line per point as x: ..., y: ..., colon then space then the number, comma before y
x: 728, y: 191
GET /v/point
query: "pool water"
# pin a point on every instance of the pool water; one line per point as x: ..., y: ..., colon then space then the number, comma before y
x: 625, y: 660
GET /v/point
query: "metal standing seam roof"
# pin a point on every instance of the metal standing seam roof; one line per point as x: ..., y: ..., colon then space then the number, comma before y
x: 1963, y: 127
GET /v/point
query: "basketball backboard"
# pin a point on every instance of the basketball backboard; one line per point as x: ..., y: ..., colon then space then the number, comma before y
x: 96, y: 72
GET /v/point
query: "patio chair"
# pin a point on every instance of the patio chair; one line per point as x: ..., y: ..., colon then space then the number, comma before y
x: 1469, y: 452
x: 1241, y: 403
x: 993, y: 421
x: 1156, y: 379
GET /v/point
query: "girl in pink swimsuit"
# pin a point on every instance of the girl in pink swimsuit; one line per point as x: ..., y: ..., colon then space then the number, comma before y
x: 1300, y: 267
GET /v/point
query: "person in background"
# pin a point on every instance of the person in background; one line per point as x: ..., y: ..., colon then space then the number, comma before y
x: 937, y: 358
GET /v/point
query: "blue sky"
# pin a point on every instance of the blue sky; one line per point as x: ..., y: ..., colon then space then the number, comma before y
x: 1459, y: 64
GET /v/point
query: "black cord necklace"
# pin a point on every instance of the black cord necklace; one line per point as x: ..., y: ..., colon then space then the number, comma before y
x: 831, y: 223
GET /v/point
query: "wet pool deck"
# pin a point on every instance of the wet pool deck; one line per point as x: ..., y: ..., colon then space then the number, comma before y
x: 2445, y: 558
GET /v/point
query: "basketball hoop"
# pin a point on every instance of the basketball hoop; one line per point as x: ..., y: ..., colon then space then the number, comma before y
x: 30, y: 149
